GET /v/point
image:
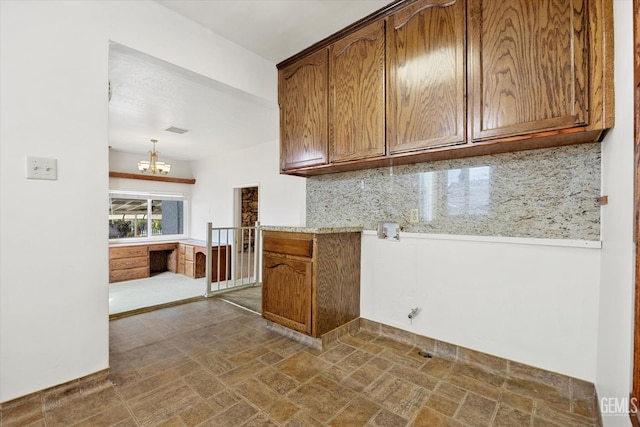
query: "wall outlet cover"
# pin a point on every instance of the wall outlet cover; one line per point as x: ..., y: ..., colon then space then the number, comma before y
x: 414, y: 216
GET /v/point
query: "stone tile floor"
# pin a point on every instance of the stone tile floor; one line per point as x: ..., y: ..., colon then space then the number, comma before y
x: 209, y: 363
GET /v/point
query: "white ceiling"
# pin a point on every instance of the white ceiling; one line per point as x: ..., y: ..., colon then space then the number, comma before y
x: 150, y: 95
x: 274, y: 29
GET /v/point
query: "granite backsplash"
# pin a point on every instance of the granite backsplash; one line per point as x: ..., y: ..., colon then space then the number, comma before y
x: 549, y: 193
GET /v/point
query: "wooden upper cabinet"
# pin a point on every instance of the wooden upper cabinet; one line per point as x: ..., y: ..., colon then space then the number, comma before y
x: 529, y: 66
x: 426, y: 76
x: 357, y: 97
x: 428, y: 80
x: 302, y: 95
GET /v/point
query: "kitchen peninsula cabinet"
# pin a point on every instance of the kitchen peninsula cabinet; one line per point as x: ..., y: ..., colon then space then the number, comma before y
x: 302, y: 95
x: 426, y: 76
x: 461, y: 78
x: 311, y: 280
x: 356, y: 101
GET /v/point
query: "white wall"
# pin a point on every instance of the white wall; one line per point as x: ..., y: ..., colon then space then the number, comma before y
x: 536, y: 304
x: 53, y: 251
x: 614, y: 363
x: 563, y: 309
x: 281, y: 198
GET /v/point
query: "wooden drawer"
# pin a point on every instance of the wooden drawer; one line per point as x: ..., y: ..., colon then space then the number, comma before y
x: 162, y: 247
x: 128, y: 252
x: 125, y: 263
x: 298, y: 245
x: 129, y: 274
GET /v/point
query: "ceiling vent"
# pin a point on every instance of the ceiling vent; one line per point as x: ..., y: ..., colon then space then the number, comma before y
x: 176, y: 130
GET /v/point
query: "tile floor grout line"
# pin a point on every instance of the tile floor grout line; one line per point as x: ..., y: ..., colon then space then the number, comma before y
x: 459, y: 408
x: 172, y: 341
x: 495, y: 413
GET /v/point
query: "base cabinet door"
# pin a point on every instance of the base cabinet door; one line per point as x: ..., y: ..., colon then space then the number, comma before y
x: 286, y: 291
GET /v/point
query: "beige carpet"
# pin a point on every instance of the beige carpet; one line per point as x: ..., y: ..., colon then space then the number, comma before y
x: 159, y: 289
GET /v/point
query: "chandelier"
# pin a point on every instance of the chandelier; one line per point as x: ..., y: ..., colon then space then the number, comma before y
x: 153, y: 165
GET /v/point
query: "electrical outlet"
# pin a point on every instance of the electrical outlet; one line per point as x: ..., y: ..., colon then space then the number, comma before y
x: 414, y: 216
x: 42, y: 168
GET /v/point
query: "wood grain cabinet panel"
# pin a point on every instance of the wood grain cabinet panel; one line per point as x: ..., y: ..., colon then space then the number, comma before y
x: 124, y: 263
x: 530, y: 64
x: 287, y: 297
x: 311, y: 294
x: 290, y: 244
x: 128, y: 252
x: 128, y: 274
x: 181, y: 259
x: 128, y: 263
x: 426, y: 76
x: 453, y: 79
x: 302, y: 95
x: 357, y: 95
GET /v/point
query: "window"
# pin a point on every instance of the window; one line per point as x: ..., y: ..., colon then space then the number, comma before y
x: 145, y: 215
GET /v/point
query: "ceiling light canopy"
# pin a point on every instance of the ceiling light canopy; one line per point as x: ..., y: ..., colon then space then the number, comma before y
x: 153, y: 165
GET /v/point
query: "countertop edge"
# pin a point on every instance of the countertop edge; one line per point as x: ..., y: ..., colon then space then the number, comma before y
x: 314, y: 230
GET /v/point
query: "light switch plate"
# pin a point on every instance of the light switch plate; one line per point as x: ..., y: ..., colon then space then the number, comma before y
x: 42, y: 168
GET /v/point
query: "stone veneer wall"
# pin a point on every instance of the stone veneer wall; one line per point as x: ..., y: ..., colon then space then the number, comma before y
x: 549, y: 193
x: 249, y: 212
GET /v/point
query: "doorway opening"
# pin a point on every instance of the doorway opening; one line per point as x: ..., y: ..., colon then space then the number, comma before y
x: 246, y: 208
x: 246, y: 214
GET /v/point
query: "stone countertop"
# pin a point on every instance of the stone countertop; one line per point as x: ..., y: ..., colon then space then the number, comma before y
x: 193, y: 242
x: 314, y: 230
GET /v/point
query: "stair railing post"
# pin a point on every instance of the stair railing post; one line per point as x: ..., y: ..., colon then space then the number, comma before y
x: 207, y: 267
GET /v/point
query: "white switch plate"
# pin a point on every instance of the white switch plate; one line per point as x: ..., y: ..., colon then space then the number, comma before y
x: 414, y: 216
x: 42, y: 168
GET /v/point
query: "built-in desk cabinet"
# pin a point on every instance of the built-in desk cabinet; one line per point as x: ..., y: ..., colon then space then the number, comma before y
x: 128, y: 263
x: 192, y: 261
x: 311, y: 282
x: 440, y: 79
x: 141, y: 260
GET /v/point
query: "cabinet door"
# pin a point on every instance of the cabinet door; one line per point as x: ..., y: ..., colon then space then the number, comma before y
x: 303, y: 112
x: 356, y: 101
x: 426, y: 76
x: 286, y: 291
x: 529, y: 66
